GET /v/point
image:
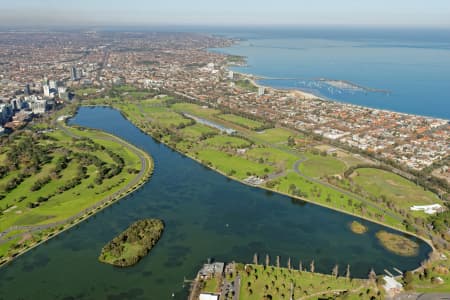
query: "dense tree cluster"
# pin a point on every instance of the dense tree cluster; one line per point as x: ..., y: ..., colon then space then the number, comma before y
x: 28, y: 152
x: 144, y: 234
x: 40, y: 183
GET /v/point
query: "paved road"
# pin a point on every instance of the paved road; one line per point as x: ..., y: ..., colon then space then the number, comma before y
x: 237, y: 287
x: 428, y: 296
x: 136, y: 180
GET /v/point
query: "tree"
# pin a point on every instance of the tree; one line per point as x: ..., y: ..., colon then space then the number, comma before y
x: 312, y: 267
x: 289, y: 263
x: 278, y: 261
x: 300, y: 266
x: 408, y: 277
x: 267, y: 260
x: 291, y: 141
x: 347, y: 272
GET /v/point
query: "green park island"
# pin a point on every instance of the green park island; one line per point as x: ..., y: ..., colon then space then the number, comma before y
x: 133, y: 244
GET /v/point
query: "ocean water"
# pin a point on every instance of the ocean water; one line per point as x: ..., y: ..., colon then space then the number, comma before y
x: 401, y: 70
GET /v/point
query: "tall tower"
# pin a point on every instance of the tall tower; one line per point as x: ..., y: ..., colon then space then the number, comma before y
x: 46, y: 90
x: 27, y: 90
x: 74, y: 73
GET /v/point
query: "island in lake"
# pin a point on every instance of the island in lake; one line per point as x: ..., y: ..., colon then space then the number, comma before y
x: 358, y: 228
x: 397, y: 244
x: 133, y: 244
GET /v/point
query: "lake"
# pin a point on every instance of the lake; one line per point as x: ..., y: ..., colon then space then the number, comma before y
x: 206, y: 216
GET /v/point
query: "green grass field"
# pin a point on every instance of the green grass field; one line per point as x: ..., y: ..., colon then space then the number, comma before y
x: 425, y: 281
x: 272, y: 156
x: 228, y: 163
x: 398, y: 189
x: 195, y: 131
x: 196, y: 110
x: 274, y: 135
x: 241, y: 121
x: 318, y: 166
x: 64, y: 204
x: 225, y: 141
x: 266, y: 153
x: 258, y: 282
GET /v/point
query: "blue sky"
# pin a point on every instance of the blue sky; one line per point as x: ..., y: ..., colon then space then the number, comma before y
x: 435, y: 13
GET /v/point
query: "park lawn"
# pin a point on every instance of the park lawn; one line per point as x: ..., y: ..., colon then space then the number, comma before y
x: 281, y: 283
x: 138, y: 94
x: 227, y: 141
x: 211, y: 285
x: 196, y: 110
x: 166, y: 118
x: 227, y: 163
x: 241, y: 121
x: 437, y: 268
x: 273, y: 156
x: 195, y: 131
x: 70, y: 202
x: 396, y: 188
x: 274, y: 135
x: 161, y: 102
x: 86, y: 91
x: 125, y: 88
x: 318, y: 166
x: 22, y: 215
x: 328, y: 196
x: 7, y: 246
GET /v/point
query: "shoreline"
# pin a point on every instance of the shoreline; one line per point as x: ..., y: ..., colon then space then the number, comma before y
x: 151, y: 169
x: 421, y: 238
x: 311, y: 96
x: 147, y: 174
x: 254, y: 78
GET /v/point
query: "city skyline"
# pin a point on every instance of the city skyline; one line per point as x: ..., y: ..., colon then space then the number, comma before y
x: 435, y: 13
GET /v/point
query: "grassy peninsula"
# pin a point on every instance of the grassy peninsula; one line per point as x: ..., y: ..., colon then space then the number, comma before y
x: 133, y: 244
x: 398, y: 244
x: 53, y: 176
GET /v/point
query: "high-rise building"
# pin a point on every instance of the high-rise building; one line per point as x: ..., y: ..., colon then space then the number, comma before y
x: 46, y: 89
x: 74, y: 73
x: 61, y: 90
x: 27, y: 90
x: 261, y: 91
x: 52, y: 84
x: 6, y: 112
x: 39, y: 106
x: 230, y: 75
x: 16, y: 104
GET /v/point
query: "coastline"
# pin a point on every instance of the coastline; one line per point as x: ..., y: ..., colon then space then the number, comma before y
x: 102, y: 204
x: 305, y: 95
x: 310, y: 96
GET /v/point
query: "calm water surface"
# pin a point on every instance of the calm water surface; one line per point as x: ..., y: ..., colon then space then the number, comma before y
x: 206, y: 215
x: 411, y: 64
